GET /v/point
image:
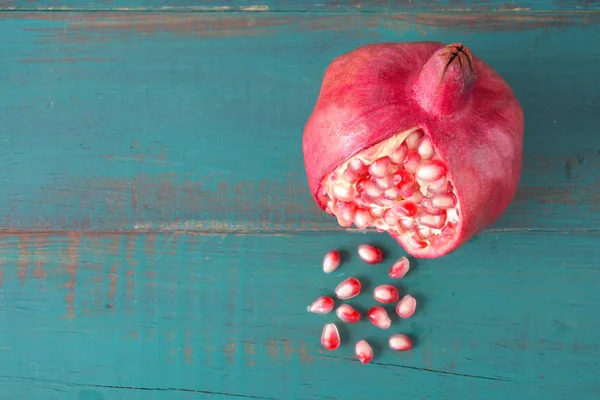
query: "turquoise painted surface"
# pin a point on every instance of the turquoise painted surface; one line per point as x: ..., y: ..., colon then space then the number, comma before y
x: 159, y: 241
x: 149, y: 316
x: 301, y: 5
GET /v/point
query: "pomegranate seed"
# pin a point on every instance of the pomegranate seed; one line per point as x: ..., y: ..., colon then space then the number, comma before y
x: 377, y: 212
x: 348, y: 314
x: 356, y: 165
x: 379, y: 168
x: 383, y: 183
x: 362, y: 218
x: 400, y: 268
x: 331, y: 261
x: 415, y: 242
x: 412, y: 141
x: 351, y: 176
x: 321, y: 305
x: 431, y: 171
x: 424, y: 232
x: 400, y: 342
x: 443, y: 201
x: 363, y: 351
x: 432, y: 221
x: 408, y: 191
x: 343, y: 193
x: 330, y: 337
x: 397, y: 157
x: 360, y: 185
x: 389, y: 218
x: 429, y: 208
x: 412, y: 161
x: 348, y: 289
x: 407, y: 223
x: 346, y: 211
x: 406, y: 307
x: 369, y: 254
x: 385, y: 294
x: 379, y: 317
x: 392, y: 193
x: 406, y: 208
x: 371, y: 190
x: 439, y: 186
x: 402, y: 178
x: 425, y: 149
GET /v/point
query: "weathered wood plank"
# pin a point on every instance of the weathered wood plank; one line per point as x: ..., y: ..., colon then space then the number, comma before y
x: 194, y: 121
x: 301, y: 5
x: 185, y: 316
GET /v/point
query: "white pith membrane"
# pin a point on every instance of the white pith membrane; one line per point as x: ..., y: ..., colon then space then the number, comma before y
x: 400, y: 186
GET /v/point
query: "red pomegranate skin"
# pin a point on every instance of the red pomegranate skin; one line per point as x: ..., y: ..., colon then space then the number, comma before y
x: 468, y: 111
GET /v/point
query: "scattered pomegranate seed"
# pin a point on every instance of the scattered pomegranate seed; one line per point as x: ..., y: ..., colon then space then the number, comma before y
x: 379, y: 317
x: 321, y: 305
x: 400, y: 342
x: 331, y: 261
x: 369, y: 254
x: 347, y: 314
x: 348, y: 288
x: 406, y: 307
x: 400, y: 268
x: 363, y: 351
x: 330, y: 337
x: 385, y: 294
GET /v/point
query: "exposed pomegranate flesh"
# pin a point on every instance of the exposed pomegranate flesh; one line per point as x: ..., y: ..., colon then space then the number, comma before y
x: 330, y: 337
x: 331, y: 261
x: 321, y: 305
x: 386, y: 294
x: 420, y: 140
x: 348, y: 289
x: 400, y: 342
x: 406, y: 307
x: 363, y: 351
x: 379, y: 317
x: 347, y: 314
x: 399, y: 269
x: 369, y: 254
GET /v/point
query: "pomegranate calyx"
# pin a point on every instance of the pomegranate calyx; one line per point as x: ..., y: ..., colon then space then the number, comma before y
x: 444, y: 83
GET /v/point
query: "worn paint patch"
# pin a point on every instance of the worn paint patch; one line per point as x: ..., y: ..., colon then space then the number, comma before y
x: 83, y: 27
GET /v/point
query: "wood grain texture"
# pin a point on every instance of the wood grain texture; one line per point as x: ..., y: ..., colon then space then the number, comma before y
x: 168, y: 316
x: 302, y: 5
x: 149, y: 121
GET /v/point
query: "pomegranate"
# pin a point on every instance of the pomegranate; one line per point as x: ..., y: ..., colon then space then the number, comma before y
x: 421, y: 140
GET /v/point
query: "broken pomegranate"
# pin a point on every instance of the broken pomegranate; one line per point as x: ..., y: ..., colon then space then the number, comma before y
x: 330, y: 337
x: 400, y: 342
x: 399, y: 269
x: 406, y: 306
x: 348, y: 314
x: 331, y: 261
x: 370, y: 254
x: 379, y: 317
x: 363, y: 351
x: 321, y: 305
x: 386, y: 294
x: 421, y: 140
x: 348, y: 289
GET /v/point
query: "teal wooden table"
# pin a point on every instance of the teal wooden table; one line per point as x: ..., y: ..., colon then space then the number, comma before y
x: 159, y: 241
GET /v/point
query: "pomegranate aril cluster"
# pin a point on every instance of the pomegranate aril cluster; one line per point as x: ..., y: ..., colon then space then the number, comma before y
x: 402, y: 189
x: 377, y: 315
